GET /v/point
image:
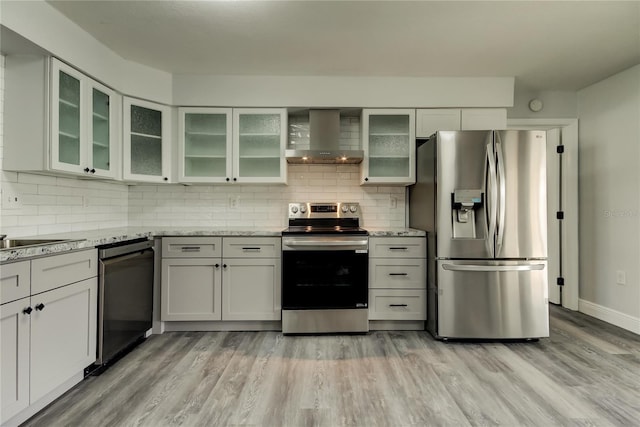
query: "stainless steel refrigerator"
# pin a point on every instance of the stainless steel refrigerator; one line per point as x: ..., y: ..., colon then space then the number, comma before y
x: 481, y: 197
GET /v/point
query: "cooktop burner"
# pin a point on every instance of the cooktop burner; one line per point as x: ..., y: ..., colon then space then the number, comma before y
x: 309, y: 229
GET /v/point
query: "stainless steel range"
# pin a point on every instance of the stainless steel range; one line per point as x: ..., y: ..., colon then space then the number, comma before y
x: 325, y: 258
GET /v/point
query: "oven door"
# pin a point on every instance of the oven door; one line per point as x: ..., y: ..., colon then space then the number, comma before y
x: 332, y: 276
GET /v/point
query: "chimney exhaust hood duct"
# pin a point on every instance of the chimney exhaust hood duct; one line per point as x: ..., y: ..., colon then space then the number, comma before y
x: 324, y: 142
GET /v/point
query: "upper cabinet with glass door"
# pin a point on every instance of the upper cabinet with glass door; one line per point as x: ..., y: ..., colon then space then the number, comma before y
x: 146, y: 141
x: 389, y: 146
x: 83, y: 124
x: 259, y: 142
x: 205, y: 149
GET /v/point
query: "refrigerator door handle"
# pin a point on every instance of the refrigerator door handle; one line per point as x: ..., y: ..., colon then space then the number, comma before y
x: 468, y: 267
x: 502, y: 190
x: 493, y: 198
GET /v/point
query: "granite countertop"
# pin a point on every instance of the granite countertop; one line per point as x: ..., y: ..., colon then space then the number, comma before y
x: 91, y: 238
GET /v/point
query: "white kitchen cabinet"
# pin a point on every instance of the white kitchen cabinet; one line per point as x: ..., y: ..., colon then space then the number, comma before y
x: 15, y: 281
x: 77, y: 132
x: 397, y: 278
x: 48, y: 337
x: 259, y: 142
x: 251, y: 278
x: 205, y: 150
x: 191, y: 278
x: 431, y: 120
x: 146, y: 141
x: 191, y: 289
x: 14, y: 337
x: 63, y: 334
x: 389, y: 146
x: 214, y: 278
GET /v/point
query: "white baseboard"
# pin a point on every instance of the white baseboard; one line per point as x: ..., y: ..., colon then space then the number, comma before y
x: 609, y: 315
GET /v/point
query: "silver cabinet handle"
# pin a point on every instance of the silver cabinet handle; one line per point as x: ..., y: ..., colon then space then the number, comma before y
x: 398, y: 305
x: 467, y: 267
x: 190, y: 249
x: 400, y: 248
x: 251, y: 249
x: 398, y: 274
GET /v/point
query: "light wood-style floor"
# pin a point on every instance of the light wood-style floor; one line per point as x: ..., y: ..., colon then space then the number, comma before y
x: 586, y: 374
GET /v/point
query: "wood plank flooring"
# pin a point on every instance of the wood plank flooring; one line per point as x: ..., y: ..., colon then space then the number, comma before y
x: 586, y: 374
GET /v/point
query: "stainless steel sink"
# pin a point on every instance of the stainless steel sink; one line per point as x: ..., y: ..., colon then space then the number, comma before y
x: 22, y: 243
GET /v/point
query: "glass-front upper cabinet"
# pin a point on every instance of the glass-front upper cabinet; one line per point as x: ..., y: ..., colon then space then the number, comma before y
x: 259, y: 142
x: 83, y: 124
x: 146, y: 141
x: 389, y: 146
x: 205, y: 144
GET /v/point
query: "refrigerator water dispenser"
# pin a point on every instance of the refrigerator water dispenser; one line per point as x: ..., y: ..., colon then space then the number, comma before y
x: 463, y: 213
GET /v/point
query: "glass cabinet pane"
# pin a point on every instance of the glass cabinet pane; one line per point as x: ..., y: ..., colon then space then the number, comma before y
x: 389, y: 145
x: 205, y: 145
x: 146, y: 141
x: 259, y: 145
x: 101, y: 129
x: 69, y: 120
x: 146, y: 121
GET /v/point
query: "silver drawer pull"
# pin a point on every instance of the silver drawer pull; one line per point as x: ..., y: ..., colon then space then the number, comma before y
x: 251, y: 249
x: 398, y: 305
x: 190, y: 249
x: 398, y: 274
x: 400, y: 248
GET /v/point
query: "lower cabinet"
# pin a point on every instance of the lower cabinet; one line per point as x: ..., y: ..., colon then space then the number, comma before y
x: 63, y: 334
x: 48, y: 337
x: 220, y: 278
x: 397, y: 278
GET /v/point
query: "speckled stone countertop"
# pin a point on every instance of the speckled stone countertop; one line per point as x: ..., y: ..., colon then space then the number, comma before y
x: 395, y: 232
x: 92, y: 238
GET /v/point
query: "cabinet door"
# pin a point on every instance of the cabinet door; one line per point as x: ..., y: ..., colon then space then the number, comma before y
x: 63, y: 335
x: 190, y: 289
x: 205, y: 145
x: 146, y: 141
x: 102, y: 131
x: 68, y: 129
x: 14, y: 358
x: 259, y: 141
x: 431, y: 120
x: 251, y: 289
x: 389, y: 147
x: 483, y: 118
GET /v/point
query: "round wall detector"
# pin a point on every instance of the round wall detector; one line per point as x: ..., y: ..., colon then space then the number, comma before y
x: 535, y: 105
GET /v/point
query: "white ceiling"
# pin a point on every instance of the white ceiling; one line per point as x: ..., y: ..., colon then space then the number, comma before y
x: 546, y: 45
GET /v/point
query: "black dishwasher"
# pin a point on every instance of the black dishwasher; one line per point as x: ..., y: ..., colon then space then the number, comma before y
x: 125, y: 298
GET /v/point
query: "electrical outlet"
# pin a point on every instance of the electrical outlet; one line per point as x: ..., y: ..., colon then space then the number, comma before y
x: 621, y: 277
x: 393, y: 202
x: 85, y: 201
x: 11, y: 200
x: 233, y: 202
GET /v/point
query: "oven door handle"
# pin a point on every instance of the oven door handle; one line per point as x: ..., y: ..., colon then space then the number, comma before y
x: 326, y: 243
x: 323, y: 245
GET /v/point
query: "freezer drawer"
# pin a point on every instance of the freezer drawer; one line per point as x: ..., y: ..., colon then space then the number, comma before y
x: 492, y: 299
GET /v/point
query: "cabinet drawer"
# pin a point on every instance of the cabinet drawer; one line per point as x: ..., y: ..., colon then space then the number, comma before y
x: 397, y: 304
x: 397, y: 247
x: 409, y: 273
x: 59, y: 270
x: 15, y: 281
x: 191, y: 247
x: 251, y: 247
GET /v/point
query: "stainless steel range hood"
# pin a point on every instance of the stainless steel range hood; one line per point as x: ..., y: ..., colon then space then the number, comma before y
x: 324, y: 141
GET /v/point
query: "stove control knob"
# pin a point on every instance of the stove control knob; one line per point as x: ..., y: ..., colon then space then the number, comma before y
x: 303, y: 209
x: 294, y: 209
x: 353, y: 208
x: 345, y: 208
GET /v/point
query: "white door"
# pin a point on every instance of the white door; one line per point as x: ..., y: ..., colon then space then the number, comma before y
x: 562, y: 195
x: 14, y: 362
x: 251, y: 289
x: 63, y: 335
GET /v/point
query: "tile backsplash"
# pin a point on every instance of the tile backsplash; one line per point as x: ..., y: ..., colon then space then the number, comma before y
x: 50, y: 204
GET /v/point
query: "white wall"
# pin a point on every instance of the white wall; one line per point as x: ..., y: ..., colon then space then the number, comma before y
x: 609, y: 120
x: 556, y: 104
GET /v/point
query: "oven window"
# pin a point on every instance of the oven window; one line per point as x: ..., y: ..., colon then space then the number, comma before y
x: 324, y: 279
